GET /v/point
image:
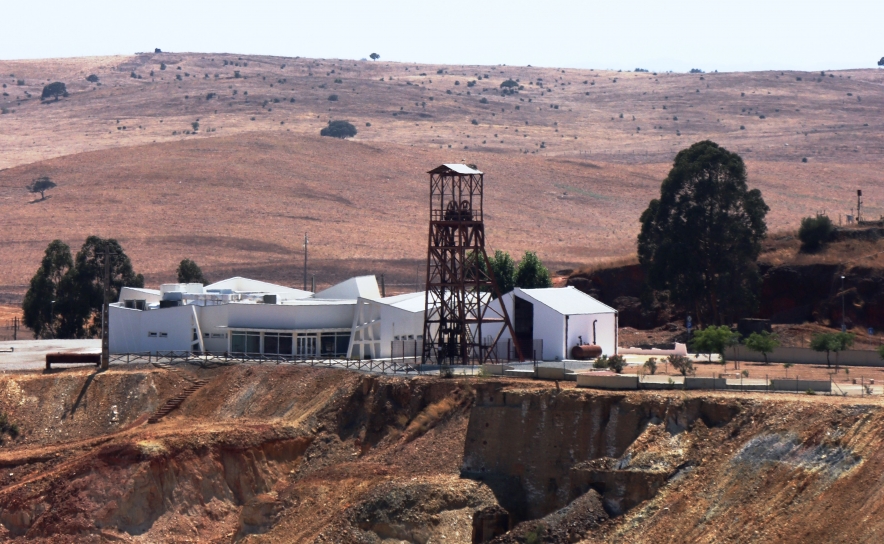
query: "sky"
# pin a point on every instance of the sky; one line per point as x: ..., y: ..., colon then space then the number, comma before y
x: 678, y: 35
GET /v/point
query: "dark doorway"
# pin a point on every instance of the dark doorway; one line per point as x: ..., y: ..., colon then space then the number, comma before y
x: 524, y: 326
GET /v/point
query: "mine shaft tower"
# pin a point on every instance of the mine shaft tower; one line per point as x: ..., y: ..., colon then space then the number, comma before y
x: 457, y: 316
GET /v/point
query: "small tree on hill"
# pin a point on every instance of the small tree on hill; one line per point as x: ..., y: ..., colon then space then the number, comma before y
x: 41, y: 185
x: 374, y: 56
x: 92, y: 78
x: 339, y: 129
x: 815, y: 232
x: 531, y: 274
x: 763, y: 342
x: 189, y: 272
x: 509, y: 84
x: 54, y: 89
x: 881, y: 62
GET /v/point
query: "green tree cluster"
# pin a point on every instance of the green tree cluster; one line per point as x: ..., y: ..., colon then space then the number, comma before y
x: 815, y: 232
x: 65, y: 297
x: 529, y: 273
x: 832, y: 342
x: 714, y: 339
x: 763, y: 342
x: 54, y: 90
x: 700, y: 240
x: 190, y: 272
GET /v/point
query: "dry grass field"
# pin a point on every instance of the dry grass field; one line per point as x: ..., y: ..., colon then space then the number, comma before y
x: 566, y: 175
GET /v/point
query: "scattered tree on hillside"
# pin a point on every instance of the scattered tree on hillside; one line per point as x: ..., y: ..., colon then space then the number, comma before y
x: 508, y: 84
x: 763, y: 342
x: 338, y: 129
x: 531, y: 274
x: 81, y: 291
x: 700, y: 240
x: 157, y: 50
x: 374, y: 56
x: 881, y: 62
x: 54, y: 89
x: 92, y: 78
x: 189, y: 272
x: 39, y: 303
x: 162, y: 66
x: 713, y: 339
x: 815, y: 232
x: 41, y: 185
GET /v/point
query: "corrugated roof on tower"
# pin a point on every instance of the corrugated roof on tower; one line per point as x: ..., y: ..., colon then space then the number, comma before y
x: 463, y: 169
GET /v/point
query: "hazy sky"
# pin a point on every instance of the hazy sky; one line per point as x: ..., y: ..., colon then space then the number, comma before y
x: 677, y: 35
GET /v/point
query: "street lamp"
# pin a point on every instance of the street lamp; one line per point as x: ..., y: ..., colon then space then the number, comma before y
x: 843, y: 326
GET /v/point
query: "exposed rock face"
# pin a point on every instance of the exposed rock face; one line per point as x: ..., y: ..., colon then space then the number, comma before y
x: 490, y: 522
x: 525, y: 446
x: 621, y: 288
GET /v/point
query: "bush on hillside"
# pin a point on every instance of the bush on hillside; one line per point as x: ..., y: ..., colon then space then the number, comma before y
x: 54, y: 89
x: 815, y: 232
x: 339, y: 129
x: 509, y: 84
x: 92, y: 78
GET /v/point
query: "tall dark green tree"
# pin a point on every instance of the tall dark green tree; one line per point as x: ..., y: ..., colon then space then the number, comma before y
x: 700, y: 240
x: 531, y: 274
x: 81, y: 291
x: 39, y: 311
x: 190, y: 272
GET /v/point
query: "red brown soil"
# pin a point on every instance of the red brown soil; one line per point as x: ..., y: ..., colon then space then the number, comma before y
x: 238, y: 196
x: 291, y: 454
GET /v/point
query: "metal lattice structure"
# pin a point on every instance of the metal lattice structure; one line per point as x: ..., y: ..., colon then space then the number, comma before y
x: 457, y: 315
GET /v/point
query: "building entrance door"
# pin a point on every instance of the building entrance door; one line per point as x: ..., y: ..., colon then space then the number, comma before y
x: 306, y: 346
x: 524, y: 326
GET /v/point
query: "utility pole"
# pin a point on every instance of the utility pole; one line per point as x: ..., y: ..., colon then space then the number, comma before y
x: 105, y: 310
x: 305, y: 261
x: 15, y: 328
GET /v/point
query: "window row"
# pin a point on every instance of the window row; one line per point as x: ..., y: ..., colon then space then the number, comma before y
x: 326, y: 344
x: 157, y: 334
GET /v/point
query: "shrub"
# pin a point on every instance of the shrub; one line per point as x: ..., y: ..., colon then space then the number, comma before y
x: 195, y: 125
x: 651, y: 365
x: 815, y: 232
x: 92, y: 78
x: 600, y: 362
x: 508, y: 84
x: 682, y: 364
x: 339, y: 129
x: 338, y: 80
x: 483, y: 100
x: 163, y: 66
x: 475, y: 122
x: 616, y: 363
x: 332, y: 98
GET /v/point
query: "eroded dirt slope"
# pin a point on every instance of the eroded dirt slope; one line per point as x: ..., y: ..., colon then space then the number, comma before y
x: 292, y: 454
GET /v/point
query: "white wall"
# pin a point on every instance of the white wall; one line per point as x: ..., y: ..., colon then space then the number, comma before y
x: 606, y: 332
x: 129, y: 329
x: 550, y: 326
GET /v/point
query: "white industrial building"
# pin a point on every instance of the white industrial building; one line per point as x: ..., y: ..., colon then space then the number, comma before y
x: 348, y: 320
x: 562, y: 317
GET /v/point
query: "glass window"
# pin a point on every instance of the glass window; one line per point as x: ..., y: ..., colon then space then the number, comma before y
x: 237, y: 342
x: 253, y: 342
x: 327, y: 344
x: 285, y: 344
x: 342, y: 343
x: 271, y: 343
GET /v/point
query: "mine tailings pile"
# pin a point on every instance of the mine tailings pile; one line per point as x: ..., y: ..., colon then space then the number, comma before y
x: 291, y: 454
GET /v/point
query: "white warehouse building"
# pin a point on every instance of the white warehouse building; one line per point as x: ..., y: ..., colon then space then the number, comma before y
x: 348, y: 320
x: 563, y: 317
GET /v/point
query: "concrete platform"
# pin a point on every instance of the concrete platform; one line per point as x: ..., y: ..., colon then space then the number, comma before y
x: 31, y: 354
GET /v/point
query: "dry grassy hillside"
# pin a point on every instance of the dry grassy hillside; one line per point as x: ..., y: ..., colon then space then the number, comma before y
x: 566, y: 175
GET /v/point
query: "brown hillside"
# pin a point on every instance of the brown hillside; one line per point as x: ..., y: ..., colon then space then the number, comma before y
x: 239, y: 194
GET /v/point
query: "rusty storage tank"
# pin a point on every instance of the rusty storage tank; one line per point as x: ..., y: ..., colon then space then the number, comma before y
x: 586, y: 351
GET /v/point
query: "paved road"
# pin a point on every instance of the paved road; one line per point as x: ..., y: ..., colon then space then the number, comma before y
x: 31, y: 354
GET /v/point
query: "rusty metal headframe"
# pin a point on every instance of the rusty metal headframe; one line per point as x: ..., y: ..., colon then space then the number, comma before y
x: 457, y: 315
